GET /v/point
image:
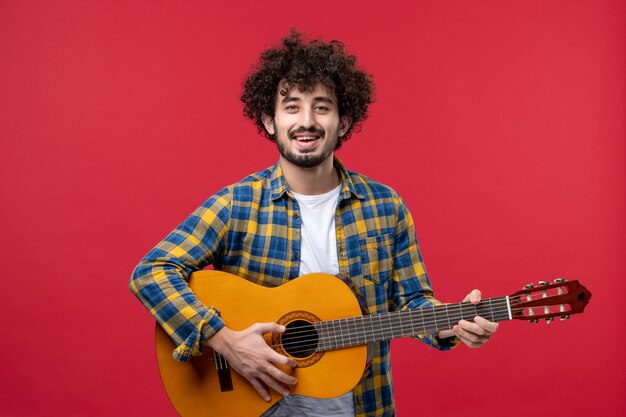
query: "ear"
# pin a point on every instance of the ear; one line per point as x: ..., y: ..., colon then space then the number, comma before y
x: 268, y: 122
x: 344, y: 124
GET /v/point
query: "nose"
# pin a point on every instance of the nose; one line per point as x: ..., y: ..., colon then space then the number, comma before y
x: 307, y: 118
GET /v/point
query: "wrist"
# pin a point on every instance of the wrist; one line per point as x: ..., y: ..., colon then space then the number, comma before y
x: 220, y: 340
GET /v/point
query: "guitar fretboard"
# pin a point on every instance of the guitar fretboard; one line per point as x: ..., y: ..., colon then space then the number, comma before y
x: 356, y: 331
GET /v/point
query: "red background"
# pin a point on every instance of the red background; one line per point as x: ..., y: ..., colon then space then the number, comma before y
x: 500, y: 122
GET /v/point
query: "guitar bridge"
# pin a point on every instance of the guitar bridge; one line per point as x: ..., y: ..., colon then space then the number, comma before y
x: 223, y: 372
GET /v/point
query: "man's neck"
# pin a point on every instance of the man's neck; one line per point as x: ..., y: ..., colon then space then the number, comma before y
x: 310, y: 181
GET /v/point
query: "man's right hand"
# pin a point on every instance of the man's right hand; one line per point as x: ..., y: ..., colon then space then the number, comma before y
x: 248, y: 353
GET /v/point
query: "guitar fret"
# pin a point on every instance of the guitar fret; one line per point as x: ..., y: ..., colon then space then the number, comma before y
x: 381, y: 327
x: 350, y: 330
x: 331, y: 337
x: 347, y: 334
x: 369, y: 338
x: 384, y: 327
x: 322, y: 336
x: 394, y: 325
x: 412, y: 327
x: 359, y: 326
x: 502, y: 311
x: 441, y: 322
x: 344, y: 325
x: 470, y: 311
x: 483, y: 310
x: 430, y: 324
x: 362, y: 323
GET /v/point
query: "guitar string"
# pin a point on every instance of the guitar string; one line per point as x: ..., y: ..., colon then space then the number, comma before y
x: 347, y: 323
x: 334, y: 339
x: 337, y: 336
x: 405, y: 315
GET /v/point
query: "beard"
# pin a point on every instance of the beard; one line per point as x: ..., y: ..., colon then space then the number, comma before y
x: 308, y: 160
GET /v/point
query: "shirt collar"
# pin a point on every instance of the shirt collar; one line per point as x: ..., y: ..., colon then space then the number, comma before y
x: 279, y: 185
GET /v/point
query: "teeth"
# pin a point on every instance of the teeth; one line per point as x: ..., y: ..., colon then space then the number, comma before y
x: 307, y: 138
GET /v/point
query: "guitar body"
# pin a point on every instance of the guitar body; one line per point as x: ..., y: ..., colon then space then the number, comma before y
x: 194, y: 387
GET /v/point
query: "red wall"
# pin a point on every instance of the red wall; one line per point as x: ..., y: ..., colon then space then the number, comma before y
x: 500, y: 122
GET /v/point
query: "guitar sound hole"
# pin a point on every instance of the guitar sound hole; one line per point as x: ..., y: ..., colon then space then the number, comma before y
x: 300, y: 339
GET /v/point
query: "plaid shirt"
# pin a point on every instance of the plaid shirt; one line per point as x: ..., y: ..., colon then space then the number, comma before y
x: 252, y: 229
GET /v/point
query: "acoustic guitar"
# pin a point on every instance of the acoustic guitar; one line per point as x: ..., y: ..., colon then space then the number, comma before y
x: 326, y: 334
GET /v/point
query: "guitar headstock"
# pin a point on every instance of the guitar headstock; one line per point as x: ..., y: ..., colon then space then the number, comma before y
x: 549, y: 300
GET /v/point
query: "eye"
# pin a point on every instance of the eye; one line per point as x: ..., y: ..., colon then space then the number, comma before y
x: 322, y: 109
x: 291, y: 108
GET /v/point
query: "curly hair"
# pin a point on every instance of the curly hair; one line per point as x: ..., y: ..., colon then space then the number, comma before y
x: 303, y: 65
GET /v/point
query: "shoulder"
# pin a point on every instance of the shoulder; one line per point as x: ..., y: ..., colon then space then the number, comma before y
x: 242, y: 190
x: 372, y: 189
x: 380, y: 198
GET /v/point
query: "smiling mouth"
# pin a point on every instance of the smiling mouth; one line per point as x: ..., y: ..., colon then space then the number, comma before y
x: 306, y: 138
x: 304, y: 135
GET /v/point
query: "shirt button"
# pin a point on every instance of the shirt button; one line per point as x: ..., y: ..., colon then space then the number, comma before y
x: 296, y: 255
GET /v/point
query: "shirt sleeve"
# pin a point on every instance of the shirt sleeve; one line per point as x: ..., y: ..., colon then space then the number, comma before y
x: 160, y: 279
x: 411, y: 286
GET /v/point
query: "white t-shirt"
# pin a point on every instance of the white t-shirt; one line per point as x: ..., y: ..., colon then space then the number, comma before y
x: 319, y: 241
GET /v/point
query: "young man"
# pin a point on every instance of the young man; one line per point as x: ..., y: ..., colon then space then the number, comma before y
x: 305, y: 214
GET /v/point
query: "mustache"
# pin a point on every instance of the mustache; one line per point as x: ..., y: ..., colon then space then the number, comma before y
x: 313, y: 130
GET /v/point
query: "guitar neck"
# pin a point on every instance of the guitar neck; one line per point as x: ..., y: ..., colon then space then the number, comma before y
x: 356, y: 331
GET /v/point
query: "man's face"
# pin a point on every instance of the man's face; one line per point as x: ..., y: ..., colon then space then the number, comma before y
x: 306, y: 125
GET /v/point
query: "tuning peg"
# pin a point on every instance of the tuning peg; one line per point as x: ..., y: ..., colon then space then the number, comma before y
x: 559, y: 280
x: 534, y: 320
x: 549, y: 320
x: 565, y: 317
x: 528, y: 286
x: 543, y: 283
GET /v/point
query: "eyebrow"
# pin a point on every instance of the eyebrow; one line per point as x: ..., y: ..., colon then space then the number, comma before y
x: 323, y: 99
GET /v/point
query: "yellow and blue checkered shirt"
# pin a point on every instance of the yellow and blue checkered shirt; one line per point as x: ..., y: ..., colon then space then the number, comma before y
x: 252, y: 229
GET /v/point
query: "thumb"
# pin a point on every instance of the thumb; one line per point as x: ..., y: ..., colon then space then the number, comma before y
x: 263, y: 328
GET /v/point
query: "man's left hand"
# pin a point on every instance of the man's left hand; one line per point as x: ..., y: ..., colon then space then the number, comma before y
x: 473, y: 334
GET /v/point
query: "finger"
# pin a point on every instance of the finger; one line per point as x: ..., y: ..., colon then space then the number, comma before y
x: 273, y: 384
x: 281, y: 376
x: 467, y: 336
x: 473, y: 328
x: 259, y: 388
x: 471, y: 344
x: 279, y: 359
x: 485, y: 324
x: 474, y: 296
